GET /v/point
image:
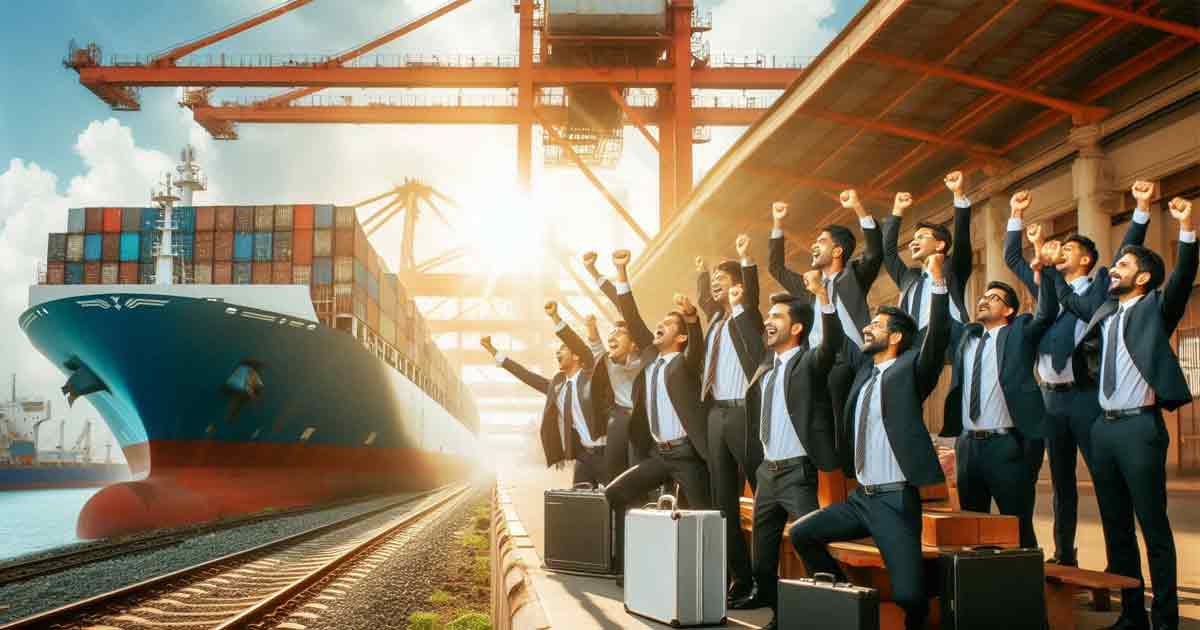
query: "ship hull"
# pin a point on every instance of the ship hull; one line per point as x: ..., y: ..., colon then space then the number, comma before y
x: 68, y: 476
x: 325, y: 419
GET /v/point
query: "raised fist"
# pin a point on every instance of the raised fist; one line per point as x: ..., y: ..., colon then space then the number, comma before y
x: 1050, y: 251
x: 551, y: 308
x: 779, y: 210
x: 486, y: 342
x: 735, y: 294
x: 1142, y: 191
x: 936, y: 262
x: 743, y: 245
x: 621, y: 257
x: 1019, y: 202
x: 684, y: 304
x: 700, y: 264
x: 590, y: 320
x: 1034, y: 233
x: 849, y: 199
x: 903, y: 202
x: 954, y: 181
x: 589, y: 259
x: 1181, y: 209
x: 812, y: 282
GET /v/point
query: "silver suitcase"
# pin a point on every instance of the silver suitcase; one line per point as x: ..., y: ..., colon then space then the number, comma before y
x: 675, y: 564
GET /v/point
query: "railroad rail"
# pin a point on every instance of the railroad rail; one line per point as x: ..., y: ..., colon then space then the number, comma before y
x: 250, y: 586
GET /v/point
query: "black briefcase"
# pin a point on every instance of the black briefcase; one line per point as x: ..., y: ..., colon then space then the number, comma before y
x: 985, y: 588
x: 830, y: 604
x: 579, y: 531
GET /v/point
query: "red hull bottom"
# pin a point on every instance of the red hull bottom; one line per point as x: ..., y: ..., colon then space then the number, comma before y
x: 223, y: 480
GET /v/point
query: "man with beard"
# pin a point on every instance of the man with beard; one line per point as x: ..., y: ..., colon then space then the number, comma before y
x: 1139, y: 376
x: 732, y: 457
x: 790, y: 413
x: 887, y: 449
x: 1071, y: 408
x: 571, y: 428
x: 931, y: 238
x: 668, y: 419
x: 846, y: 281
x: 994, y: 407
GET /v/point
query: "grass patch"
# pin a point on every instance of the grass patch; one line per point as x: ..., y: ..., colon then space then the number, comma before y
x: 475, y: 542
x: 462, y: 599
x: 470, y: 621
x: 424, y: 621
x: 439, y: 598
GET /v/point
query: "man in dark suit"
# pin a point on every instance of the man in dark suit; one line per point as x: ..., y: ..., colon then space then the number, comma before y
x: 789, y: 410
x: 1070, y: 408
x: 732, y: 457
x: 668, y: 418
x: 571, y: 428
x: 888, y: 450
x: 994, y: 407
x: 1127, y: 349
x: 931, y: 238
x: 846, y: 281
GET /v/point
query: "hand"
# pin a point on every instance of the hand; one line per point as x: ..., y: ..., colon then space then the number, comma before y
x: 1181, y: 209
x: 486, y: 342
x: 936, y: 262
x: 551, y: 308
x: 620, y: 258
x: 779, y: 212
x: 700, y: 266
x: 589, y: 261
x: 1033, y: 233
x: 1036, y: 265
x: 812, y: 282
x: 1019, y: 202
x: 903, y: 202
x: 590, y: 320
x: 743, y: 245
x: 736, y: 293
x: 1050, y: 252
x: 1142, y: 191
x: 849, y: 199
x: 954, y: 181
x: 685, y: 306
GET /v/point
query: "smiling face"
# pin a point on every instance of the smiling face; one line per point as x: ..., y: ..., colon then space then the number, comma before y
x: 991, y: 308
x: 1073, y: 258
x: 670, y: 334
x: 875, y: 335
x: 1123, y: 276
x: 823, y: 250
x: 782, y: 332
x: 567, y: 361
x: 620, y: 343
x: 719, y: 285
x: 924, y: 243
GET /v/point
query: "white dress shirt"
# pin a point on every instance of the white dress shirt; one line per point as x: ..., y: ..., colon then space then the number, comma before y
x: 926, y: 301
x: 577, y: 417
x: 729, y: 379
x: 621, y: 376
x: 880, y: 465
x: 783, y: 441
x: 993, y: 409
x: 669, y: 424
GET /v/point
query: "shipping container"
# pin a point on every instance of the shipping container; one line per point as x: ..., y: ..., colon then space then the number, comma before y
x: 94, y: 221
x: 223, y: 272
x: 302, y: 217
x: 146, y: 273
x: 203, y: 273
x: 345, y: 217
x: 373, y: 287
x: 302, y: 274
x: 281, y: 246
x: 150, y: 219
x: 128, y: 273
x: 324, y: 216
x: 75, y: 247
x: 203, y: 247
x: 322, y: 271
x: 281, y: 272
x: 283, y: 218
x: 112, y: 221
x: 262, y: 247
x: 343, y: 242
x: 92, y: 247
x: 110, y: 272
x: 261, y: 273
x: 131, y: 221
x: 224, y: 218
x: 243, y: 246
x: 322, y: 243
x: 56, y: 272
x: 243, y: 273
x: 302, y: 247
x: 185, y: 245
x: 223, y: 246
x: 183, y: 273
x: 264, y: 218
x: 243, y: 219
x: 343, y: 298
x: 110, y: 247
x: 185, y: 218
x: 360, y: 274
x: 56, y: 248
x: 131, y: 247
x: 76, y: 220
x: 343, y: 270
x: 74, y: 273
x: 146, y: 245
x: 205, y: 218
x: 91, y: 273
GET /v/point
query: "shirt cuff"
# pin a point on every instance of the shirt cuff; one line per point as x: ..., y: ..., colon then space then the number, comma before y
x: 1187, y: 237
x: 939, y: 289
x: 600, y: 280
x: 561, y: 325
x: 867, y: 223
x: 500, y: 358
x: 622, y: 288
x: 1141, y: 217
x: 965, y: 203
x: 828, y: 309
x: 776, y: 233
x: 738, y: 309
x: 1015, y: 224
x: 747, y: 265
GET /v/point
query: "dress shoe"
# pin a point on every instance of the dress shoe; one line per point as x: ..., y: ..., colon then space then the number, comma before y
x: 1065, y: 559
x: 750, y: 601
x: 1126, y: 624
x: 739, y: 590
x: 773, y: 624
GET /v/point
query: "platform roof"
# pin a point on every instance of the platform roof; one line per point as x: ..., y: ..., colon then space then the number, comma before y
x: 910, y: 90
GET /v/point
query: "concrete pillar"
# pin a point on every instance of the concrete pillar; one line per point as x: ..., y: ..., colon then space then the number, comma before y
x: 1095, y: 198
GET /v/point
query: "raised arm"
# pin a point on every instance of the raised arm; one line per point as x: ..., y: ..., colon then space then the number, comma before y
x: 626, y: 305
x: 532, y: 379
x: 704, y: 291
x: 1179, y: 284
x: 606, y: 287
x: 1135, y: 234
x: 832, y: 336
x: 748, y: 321
x: 1013, y: 257
x: 937, y: 335
x: 891, y: 247
x: 1046, y: 310
x: 693, y: 354
x: 866, y: 267
x: 568, y: 335
x: 594, y: 342
x: 791, y: 281
x: 960, y: 256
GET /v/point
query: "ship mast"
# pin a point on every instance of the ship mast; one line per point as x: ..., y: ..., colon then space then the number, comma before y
x: 188, y: 179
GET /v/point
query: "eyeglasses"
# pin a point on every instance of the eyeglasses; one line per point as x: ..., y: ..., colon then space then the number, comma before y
x: 991, y: 297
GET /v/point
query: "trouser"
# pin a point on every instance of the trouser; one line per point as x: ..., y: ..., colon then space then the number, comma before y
x: 893, y: 519
x: 590, y: 468
x: 788, y: 491
x: 1069, y: 418
x: 620, y: 453
x: 730, y: 461
x: 681, y: 464
x: 997, y: 468
x: 1129, y: 469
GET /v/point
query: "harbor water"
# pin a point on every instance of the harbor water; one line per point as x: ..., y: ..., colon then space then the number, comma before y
x: 36, y: 520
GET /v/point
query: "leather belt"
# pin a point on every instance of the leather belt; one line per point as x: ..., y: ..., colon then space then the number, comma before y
x: 732, y: 403
x: 883, y: 488
x: 1119, y: 415
x: 986, y: 434
x: 1058, y: 387
x: 594, y: 450
x: 783, y: 464
x: 671, y: 444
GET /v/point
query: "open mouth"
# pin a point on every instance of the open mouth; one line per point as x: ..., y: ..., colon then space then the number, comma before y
x: 1114, y: 282
x: 771, y: 330
x: 914, y: 249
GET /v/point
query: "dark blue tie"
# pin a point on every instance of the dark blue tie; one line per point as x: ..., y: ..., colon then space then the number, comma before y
x: 1111, y: 339
x: 918, y: 294
x: 654, y: 422
x: 764, y: 431
x: 568, y: 414
x: 977, y: 375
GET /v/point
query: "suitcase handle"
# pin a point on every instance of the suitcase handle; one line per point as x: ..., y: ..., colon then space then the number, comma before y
x: 583, y: 485
x: 672, y: 502
x: 824, y: 577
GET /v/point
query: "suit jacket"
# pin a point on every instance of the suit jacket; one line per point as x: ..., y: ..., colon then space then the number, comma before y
x: 1059, y: 341
x: 1147, y: 334
x: 852, y: 285
x: 957, y: 273
x: 807, y: 393
x: 1016, y: 351
x: 905, y: 386
x: 682, y: 376
x: 715, y: 313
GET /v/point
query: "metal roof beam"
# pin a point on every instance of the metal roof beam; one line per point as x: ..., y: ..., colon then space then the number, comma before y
x: 1167, y: 26
x: 899, y: 130
x: 173, y: 55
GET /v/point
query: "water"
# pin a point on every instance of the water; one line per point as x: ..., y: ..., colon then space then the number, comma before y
x: 35, y: 520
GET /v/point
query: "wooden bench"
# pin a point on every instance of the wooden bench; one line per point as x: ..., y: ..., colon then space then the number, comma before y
x: 1063, y: 583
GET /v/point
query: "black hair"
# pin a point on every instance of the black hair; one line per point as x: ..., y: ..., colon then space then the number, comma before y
x: 798, y: 310
x: 843, y: 238
x: 1089, y: 247
x: 1010, y: 296
x: 732, y: 268
x: 1147, y: 261
x: 899, y: 322
x: 940, y: 232
x: 682, y: 326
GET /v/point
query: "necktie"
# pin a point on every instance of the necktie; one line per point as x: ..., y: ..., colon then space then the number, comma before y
x: 567, y: 419
x: 830, y: 292
x: 1111, y: 339
x: 864, y: 416
x: 977, y: 375
x: 918, y: 294
x: 654, y: 425
x: 710, y: 371
x: 764, y: 426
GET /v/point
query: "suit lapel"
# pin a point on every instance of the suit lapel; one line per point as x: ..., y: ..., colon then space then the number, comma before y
x: 1001, y: 339
x: 1102, y: 313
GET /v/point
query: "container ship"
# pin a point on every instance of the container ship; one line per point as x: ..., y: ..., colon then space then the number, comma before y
x: 245, y: 358
x: 23, y: 466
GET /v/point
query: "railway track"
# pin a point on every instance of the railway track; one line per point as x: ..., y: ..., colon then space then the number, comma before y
x: 281, y: 584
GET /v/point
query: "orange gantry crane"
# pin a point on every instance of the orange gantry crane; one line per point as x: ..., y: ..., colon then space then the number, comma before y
x: 581, y: 85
